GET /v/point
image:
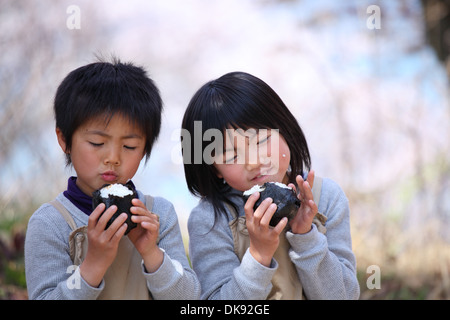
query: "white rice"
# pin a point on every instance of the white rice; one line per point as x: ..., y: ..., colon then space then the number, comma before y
x: 281, y: 185
x: 259, y: 188
x: 118, y: 190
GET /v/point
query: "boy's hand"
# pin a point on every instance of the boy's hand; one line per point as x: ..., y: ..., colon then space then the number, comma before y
x: 302, y: 221
x: 102, y: 244
x: 264, y: 239
x: 145, y: 235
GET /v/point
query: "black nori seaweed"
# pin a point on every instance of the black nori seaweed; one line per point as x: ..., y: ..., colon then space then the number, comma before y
x: 285, y: 199
x: 123, y: 205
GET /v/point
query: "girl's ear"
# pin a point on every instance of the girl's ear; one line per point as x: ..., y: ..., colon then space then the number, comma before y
x: 216, y: 172
x: 61, y: 140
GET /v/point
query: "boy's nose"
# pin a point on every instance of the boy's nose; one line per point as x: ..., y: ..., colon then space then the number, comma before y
x: 113, y: 162
x: 113, y: 158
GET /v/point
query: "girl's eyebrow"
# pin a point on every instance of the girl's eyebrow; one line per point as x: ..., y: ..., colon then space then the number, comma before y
x: 104, y: 134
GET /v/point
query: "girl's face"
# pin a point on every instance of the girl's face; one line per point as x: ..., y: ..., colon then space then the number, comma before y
x: 105, y: 152
x: 253, y: 157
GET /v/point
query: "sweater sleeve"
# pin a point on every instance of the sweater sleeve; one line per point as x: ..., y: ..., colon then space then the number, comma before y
x: 49, y: 271
x: 325, y: 263
x: 222, y: 276
x: 174, y: 279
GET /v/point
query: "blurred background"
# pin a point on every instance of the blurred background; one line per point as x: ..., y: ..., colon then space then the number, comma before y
x: 368, y: 84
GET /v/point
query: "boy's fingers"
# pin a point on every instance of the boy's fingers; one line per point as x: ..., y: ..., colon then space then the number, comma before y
x: 93, y: 217
x: 138, y: 203
x: 281, y: 225
x: 115, y: 227
x: 120, y: 232
x: 97, y: 211
x: 105, y: 217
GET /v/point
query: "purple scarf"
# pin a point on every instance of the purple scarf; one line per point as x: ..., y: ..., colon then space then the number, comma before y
x: 81, y: 200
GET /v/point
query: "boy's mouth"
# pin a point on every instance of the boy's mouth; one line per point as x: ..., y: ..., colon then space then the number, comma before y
x: 109, y: 176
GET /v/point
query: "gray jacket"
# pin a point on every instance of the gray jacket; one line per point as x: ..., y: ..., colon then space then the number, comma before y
x: 325, y: 264
x: 48, y: 264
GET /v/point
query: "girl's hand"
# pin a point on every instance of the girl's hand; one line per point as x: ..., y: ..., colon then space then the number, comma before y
x: 264, y: 239
x: 302, y: 221
x: 102, y: 244
x: 145, y: 235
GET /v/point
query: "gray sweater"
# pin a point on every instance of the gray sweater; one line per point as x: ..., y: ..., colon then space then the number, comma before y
x: 325, y: 264
x: 47, y: 256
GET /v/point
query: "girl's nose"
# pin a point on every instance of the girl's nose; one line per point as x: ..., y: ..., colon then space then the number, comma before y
x: 253, y: 163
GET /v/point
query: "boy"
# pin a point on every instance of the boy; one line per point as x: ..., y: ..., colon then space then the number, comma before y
x: 108, y: 115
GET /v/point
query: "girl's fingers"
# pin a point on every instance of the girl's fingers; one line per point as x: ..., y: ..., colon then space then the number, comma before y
x: 248, y: 207
x: 310, y: 178
x: 313, y: 206
x: 267, y: 216
x: 291, y: 185
x: 261, y: 210
x: 305, y: 189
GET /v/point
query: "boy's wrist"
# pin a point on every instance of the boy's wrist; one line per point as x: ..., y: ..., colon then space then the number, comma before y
x: 153, y: 259
x: 92, y: 273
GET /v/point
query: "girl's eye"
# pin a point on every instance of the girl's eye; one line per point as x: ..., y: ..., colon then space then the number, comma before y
x: 264, y: 140
x: 231, y: 160
x: 129, y: 148
x: 96, y: 144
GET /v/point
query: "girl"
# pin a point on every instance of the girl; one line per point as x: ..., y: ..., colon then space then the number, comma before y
x: 299, y: 259
x: 108, y: 115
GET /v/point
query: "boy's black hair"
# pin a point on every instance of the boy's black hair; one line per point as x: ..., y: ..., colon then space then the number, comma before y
x: 103, y: 89
x: 239, y: 100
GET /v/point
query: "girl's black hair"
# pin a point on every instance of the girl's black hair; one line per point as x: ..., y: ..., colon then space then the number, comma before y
x: 239, y: 100
x: 103, y: 89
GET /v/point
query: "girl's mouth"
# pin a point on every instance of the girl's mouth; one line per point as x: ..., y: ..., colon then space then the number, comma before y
x: 259, y: 178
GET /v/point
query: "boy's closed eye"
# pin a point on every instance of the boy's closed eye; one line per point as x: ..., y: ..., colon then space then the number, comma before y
x: 96, y: 144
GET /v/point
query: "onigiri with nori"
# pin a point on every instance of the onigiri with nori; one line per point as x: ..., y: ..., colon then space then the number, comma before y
x: 282, y: 195
x: 116, y: 194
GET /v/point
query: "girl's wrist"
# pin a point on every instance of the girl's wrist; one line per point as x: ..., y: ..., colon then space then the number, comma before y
x: 262, y: 259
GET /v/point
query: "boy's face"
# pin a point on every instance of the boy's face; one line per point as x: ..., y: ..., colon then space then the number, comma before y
x: 105, y: 152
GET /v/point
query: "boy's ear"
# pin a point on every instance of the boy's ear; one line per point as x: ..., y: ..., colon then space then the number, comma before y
x: 61, y: 140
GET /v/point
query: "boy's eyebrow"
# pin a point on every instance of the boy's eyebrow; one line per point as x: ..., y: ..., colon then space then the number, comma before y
x: 103, y: 134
